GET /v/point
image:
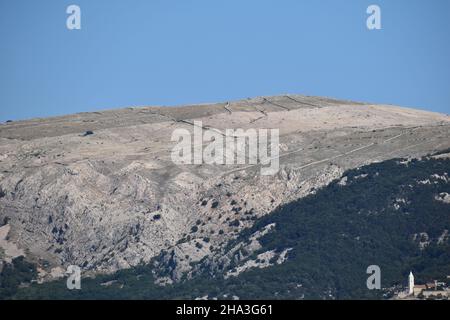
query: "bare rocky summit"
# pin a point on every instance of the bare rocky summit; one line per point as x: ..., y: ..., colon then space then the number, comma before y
x: 100, y: 190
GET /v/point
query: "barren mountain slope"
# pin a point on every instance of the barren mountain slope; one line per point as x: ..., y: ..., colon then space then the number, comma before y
x: 113, y: 199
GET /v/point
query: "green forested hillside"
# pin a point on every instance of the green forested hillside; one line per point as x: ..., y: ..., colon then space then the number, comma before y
x: 377, y: 215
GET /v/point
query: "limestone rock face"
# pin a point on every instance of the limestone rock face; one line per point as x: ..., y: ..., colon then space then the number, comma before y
x: 113, y: 198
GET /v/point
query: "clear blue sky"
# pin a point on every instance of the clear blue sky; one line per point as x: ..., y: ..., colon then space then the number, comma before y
x: 170, y: 52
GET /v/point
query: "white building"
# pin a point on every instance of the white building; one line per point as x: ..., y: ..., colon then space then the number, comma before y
x: 411, y: 283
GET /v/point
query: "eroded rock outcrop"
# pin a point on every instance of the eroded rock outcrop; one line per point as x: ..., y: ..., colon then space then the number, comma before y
x: 113, y: 198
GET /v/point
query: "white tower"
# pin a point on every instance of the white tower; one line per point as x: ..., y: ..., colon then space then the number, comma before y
x: 411, y: 283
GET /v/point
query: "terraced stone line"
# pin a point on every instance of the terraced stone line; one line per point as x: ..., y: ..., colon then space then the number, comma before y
x: 335, y: 157
x: 276, y: 104
x: 226, y: 107
x: 301, y: 102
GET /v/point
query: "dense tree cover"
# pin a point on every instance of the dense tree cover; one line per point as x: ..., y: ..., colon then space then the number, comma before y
x: 14, y: 274
x: 341, y: 230
x: 334, y: 234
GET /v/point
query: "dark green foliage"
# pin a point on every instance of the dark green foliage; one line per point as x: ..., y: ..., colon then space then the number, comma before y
x: 5, y: 221
x: 234, y: 223
x: 337, y: 233
x: 13, y: 274
x: 215, y: 204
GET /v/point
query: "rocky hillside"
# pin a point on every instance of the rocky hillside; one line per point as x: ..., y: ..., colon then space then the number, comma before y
x: 99, y: 190
x: 394, y: 214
